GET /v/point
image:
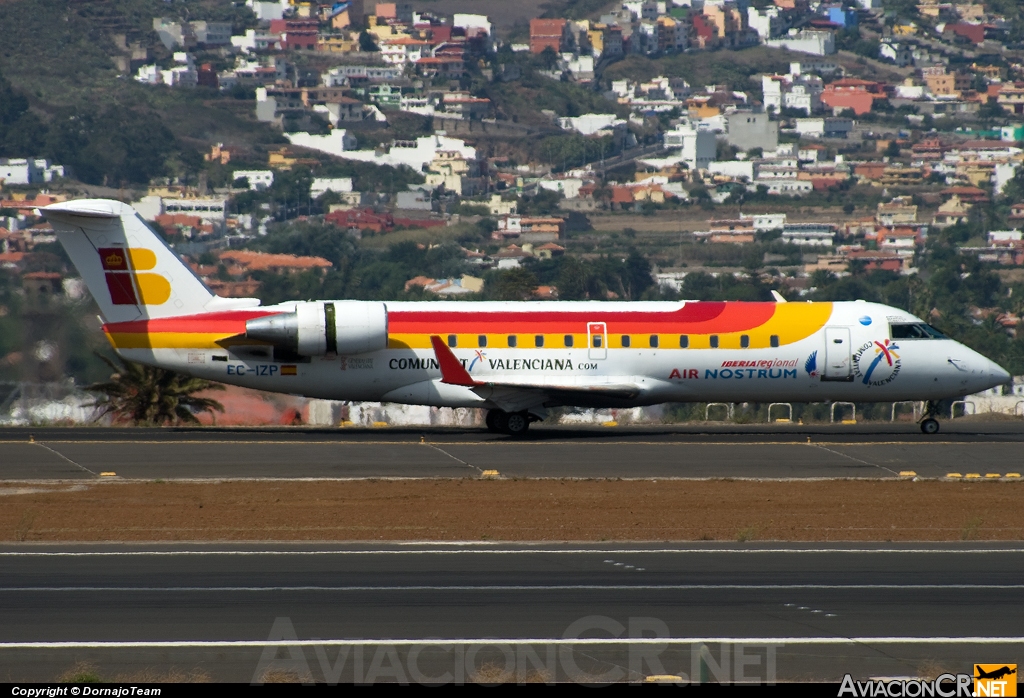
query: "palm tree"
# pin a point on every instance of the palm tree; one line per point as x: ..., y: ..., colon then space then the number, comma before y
x: 144, y: 395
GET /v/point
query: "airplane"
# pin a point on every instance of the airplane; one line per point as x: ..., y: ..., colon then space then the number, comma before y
x: 515, y: 359
x: 994, y: 674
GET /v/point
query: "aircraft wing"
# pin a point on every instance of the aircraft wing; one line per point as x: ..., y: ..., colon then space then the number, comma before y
x: 514, y: 396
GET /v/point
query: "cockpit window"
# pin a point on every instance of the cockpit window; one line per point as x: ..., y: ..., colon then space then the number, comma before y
x: 915, y: 330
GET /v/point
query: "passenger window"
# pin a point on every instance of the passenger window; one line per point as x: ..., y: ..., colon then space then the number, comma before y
x: 512, y: 340
x: 775, y: 340
x: 453, y: 341
x: 684, y: 341
x: 654, y: 341
x: 568, y: 340
x: 714, y: 341
x: 597, y: 340
x: 625, y: 340
x: 744, y: 341
x: 481, y: 341
x: 538, y: 340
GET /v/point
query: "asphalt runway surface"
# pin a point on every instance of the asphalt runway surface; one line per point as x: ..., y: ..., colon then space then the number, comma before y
x: 754, y: 451
x: 819, y: 613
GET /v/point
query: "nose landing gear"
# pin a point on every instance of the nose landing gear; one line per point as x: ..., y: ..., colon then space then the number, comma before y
x: 511, y: 423
x: 930, y: 425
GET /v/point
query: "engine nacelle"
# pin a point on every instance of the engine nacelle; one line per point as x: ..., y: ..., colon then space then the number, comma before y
x: 325, y: 327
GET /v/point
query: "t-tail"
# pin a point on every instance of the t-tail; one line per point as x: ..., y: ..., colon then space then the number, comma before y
x: 129, y: 270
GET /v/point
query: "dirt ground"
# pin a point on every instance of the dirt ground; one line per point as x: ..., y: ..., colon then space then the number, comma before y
x: 509, y: 510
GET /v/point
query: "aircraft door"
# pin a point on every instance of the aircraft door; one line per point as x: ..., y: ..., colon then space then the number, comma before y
x: 597, y: 340
x: 838, y: 362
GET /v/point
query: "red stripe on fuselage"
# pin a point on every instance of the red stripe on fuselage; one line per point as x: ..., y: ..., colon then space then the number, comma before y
x: 695, y: 318
x: 226, y: 322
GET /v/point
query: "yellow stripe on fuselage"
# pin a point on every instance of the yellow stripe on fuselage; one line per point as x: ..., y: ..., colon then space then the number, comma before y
x: 791, y: 323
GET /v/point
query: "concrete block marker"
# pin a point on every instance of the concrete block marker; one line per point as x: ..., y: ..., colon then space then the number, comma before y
x: 954, y: 476
x: 108, y: 473
x: 490, y: 474
x: 908, y: 474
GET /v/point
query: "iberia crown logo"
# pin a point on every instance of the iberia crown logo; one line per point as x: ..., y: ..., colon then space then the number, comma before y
x: 132, y: 284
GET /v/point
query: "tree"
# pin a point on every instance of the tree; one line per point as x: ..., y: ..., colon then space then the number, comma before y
x: 144, y: 395
x: 366, y: 42
x: 513, y: 285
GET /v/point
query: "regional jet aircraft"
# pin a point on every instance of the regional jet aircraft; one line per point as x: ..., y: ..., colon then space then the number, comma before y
x: 515, y: 359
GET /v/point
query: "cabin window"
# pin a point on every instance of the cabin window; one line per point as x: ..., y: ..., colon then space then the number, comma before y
x: 568, y: 340
x: 915, y: 330
x: 684, y: 341
x: 654, y: 341
x: 538, y: 341
x: 625, y: 340
x: 714, y: 341
x: 744, y: 341
x: 774, y: 340
x: 453, y: 341
x: 481, y: 340
x: 597, y: 340
x: 512, y: 340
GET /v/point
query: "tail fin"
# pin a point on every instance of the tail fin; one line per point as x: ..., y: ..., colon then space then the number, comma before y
x: 130, y: 271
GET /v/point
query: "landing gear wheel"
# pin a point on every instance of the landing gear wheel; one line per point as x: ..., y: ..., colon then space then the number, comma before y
x: 930, y: 426
x: 517, y: 423
x: 493, y: 421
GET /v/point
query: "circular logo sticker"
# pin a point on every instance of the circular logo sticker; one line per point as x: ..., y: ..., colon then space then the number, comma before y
x: 877, y: 363
x: 865, y: 321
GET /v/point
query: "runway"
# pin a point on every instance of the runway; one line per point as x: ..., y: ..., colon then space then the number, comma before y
x: 753, y: 451
x: 810, y: 612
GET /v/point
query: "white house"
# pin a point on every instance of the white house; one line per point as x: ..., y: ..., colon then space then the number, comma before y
x: 736, y: 169
x: 808, y: 234
x: 697, y: 148
x: 28, y: 171
x: 589, y: 124
x: 336, y: 142
x: 258, y: 179
x: 322, y: 185
x: 415, y: 154
x: 820, y: 128
x: 766, y: 221
x: 207, y: 208
x: 819, y: 43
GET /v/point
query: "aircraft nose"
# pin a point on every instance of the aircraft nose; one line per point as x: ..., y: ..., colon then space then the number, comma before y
x: 999, y: 374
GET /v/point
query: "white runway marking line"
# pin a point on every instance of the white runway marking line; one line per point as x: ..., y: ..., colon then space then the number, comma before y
x: 854, y: 458
x: 436, y: 448
x: 537, y: 587
x: 476, y: 548
x: 492, y: 641
x: 61, y: 455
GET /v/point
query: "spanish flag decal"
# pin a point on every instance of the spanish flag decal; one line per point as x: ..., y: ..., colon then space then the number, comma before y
x: 289, y: 370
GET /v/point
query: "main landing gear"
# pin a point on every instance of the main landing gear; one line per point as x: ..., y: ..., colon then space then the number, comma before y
x: 930, y: 425
x: 511, y: 423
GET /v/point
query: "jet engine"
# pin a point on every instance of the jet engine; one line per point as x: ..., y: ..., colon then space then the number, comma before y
x: 325, y: 327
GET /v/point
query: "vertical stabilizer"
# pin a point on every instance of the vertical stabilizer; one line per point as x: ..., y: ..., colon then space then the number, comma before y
x: 130, y: 271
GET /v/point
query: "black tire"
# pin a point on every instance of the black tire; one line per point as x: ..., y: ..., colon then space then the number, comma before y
x: 492, y: 421
x: 930, y: 426
x: 500, y: 421
x: 517, y: 423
